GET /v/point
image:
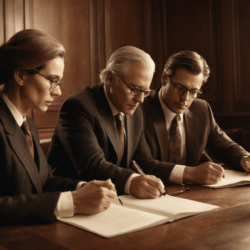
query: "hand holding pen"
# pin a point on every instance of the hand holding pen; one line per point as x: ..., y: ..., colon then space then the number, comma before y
x: 145, y: 186
x: 205, y: 174
x: 162, y: 191
x: 245, y: 163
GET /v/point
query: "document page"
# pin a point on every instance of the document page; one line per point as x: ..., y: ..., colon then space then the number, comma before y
x: 232, y: 178
x: 170, y: 206
x: 115, y: 221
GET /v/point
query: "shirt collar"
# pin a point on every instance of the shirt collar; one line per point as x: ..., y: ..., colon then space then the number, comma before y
x: 169, y: 115
x: 113, y: 108
x: 16, y: 114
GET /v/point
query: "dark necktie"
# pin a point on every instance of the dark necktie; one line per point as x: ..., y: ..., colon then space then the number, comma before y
x: 119, y: 127
x: 174, y: 154
x: 28, y: 135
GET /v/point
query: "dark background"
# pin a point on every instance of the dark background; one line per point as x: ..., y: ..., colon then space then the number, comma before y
x: 91, y: 30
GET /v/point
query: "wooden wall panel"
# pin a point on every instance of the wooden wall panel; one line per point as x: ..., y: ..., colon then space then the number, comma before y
x: 241, y: 16
x: 68, y: 21
x: 124, y: 24
x: 194, y: 25
x: 2, y: 22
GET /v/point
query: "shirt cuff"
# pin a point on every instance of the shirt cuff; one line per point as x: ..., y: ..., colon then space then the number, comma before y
x: 127, y: 185
x: 176, y: 175
x: 65, y: 204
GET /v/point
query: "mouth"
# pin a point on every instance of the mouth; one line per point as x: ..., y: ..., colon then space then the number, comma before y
x: 48, y: 102
x: 180, y: 105
x: 133, y: 106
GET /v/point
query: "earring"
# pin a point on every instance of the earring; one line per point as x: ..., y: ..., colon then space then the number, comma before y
x: 111, y: 90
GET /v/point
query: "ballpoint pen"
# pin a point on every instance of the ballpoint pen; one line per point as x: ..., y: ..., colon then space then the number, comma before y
x: 209, y: 159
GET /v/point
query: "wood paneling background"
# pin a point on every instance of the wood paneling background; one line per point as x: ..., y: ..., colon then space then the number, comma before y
x: 91, y: 30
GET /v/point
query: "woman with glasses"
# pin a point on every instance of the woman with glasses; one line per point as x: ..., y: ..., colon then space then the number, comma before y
x: 31, y: 70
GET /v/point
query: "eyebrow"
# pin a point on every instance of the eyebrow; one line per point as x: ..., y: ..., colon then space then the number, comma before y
x: 185, y: 87
x: 134, y: 86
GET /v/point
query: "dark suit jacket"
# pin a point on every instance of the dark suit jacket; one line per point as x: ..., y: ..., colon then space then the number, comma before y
x: 202, y: 132
x: 24, y: 186
x: 86, y: 145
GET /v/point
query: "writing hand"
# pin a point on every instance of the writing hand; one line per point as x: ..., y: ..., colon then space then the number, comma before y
x: 146, y: 187
x: 245, y: 163
x: 206, y: 173
x: 94, y: 197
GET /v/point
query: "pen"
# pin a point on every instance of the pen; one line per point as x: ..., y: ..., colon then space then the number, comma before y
x: 139, y: 171
x: 120, y: 201
x: 209, y: 159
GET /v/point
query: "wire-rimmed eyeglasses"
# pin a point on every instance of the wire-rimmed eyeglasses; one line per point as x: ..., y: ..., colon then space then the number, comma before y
x: 180, y: 90
x: 53, y: 83
x: 136, y: 91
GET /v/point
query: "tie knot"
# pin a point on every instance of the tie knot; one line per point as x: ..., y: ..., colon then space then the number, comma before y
x: 118, y: 116
x: 25, y: 125
x: 177, y: 118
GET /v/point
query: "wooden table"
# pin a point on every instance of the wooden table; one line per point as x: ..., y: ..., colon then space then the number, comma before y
x: 227, y: 228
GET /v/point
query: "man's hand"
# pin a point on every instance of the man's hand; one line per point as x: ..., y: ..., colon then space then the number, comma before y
x: 245, y: 163
x: 206, y: 173
x: 146, y: 187
x: 94, y: 197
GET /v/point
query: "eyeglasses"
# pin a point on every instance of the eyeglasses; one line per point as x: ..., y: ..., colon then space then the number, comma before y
x: 136, y: 91
x: 180, y: 90
x: 53, y: 83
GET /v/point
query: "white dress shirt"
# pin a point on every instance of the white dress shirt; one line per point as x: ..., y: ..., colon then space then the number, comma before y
x: 114, y: 112
x: 176, y: 175
x: 65, y: 205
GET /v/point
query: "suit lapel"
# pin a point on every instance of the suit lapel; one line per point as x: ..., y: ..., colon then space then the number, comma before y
x: 19, y: 145
x: 130, y: 134
x: 107, y: 118
x: 192, y: 133
x: 159, y: 124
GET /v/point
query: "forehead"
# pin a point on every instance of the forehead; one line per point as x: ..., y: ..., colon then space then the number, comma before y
x: 139, y: 77
x: 54, y: 66
x: 187, y: 79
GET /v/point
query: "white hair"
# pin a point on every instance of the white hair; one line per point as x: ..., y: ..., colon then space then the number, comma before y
x: 122, y: 59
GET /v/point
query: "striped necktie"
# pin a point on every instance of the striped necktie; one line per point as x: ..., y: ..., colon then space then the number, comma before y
x: 28, y: 136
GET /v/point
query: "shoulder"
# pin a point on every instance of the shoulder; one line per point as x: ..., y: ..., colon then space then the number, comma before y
x: 82, y: 100
x: 199, y: 105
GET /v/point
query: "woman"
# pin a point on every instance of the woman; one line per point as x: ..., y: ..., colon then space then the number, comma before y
x: 31, y: 70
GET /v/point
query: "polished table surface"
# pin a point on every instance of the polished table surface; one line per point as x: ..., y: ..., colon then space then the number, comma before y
x: 226, y: 228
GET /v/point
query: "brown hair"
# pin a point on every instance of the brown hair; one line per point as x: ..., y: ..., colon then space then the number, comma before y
x: 189, y: 60
x: 27, y: 49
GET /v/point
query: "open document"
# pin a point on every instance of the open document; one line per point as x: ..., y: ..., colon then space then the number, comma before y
x: 137, y: 214
x: 232, y: 179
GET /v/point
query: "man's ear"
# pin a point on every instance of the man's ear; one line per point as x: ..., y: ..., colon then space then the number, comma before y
x: 110, y: 79
x: 164, y: 79
x: 19, y: 76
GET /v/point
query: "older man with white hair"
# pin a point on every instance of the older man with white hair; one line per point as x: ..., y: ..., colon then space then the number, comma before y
x: 100, y: 129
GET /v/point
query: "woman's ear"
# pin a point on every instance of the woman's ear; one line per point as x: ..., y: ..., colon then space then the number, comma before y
x: 19, y: 76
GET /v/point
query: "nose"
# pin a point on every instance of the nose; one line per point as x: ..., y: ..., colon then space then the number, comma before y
x: 185, y: 96
x: 56, y: 91
x: 139, y: 98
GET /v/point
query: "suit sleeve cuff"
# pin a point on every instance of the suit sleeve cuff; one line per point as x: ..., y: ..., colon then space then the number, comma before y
x: 176, y: 175
x: 127, y: 185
